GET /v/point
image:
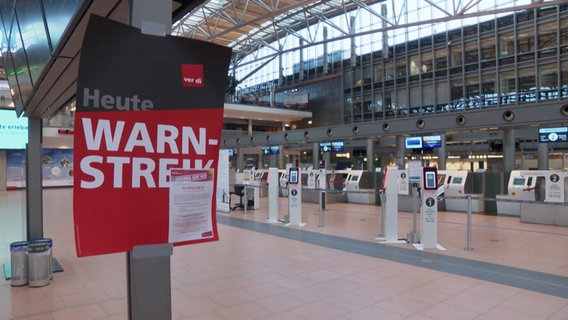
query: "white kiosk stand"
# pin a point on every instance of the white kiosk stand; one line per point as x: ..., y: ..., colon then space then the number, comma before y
x: 294, y: 198
x: 429, y: 211
x: 389, y: 207
x: 273, y: 185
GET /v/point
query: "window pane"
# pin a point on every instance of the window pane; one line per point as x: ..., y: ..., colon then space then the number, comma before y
x: 548, y: 81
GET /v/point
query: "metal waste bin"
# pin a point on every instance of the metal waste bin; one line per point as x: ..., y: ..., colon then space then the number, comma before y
x: 38, y: 264
x: 19, y: 263
x: 49, y: 242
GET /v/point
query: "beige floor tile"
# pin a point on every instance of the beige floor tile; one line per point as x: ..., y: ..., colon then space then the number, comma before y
x: 250, y: 275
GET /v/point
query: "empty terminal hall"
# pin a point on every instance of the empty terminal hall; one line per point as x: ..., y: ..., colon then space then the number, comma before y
x: 288, y: 160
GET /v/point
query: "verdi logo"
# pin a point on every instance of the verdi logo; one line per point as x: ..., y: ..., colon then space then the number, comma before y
x: 192, y: 75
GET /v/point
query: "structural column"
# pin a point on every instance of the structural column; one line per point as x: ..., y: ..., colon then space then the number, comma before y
x: 240, y: 158
x: 325, y: 60
x: 370, y: 154
x: 442, y: 154
x: 34, y: 186
x: 315, y: 155
x: 353, y: 44
x: 543, y: 156
x: 400, y: 151
x: 509, y: 150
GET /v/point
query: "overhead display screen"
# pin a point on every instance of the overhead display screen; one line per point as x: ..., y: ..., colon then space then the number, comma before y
x: 413, y: 142
x: 558, y: 134
x: 337, y: 146
x: 325, y: 146
x: 434, y: 141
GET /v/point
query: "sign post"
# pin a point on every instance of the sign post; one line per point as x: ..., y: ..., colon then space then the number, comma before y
x: 429, y: 211
x: 295, y: 198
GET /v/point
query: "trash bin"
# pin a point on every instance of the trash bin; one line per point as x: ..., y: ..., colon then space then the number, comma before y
x: 38, y: 264
x: 19, y: 263
x: 49, y: 242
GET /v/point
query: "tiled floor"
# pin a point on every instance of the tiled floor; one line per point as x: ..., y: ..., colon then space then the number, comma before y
x: 284, y: 273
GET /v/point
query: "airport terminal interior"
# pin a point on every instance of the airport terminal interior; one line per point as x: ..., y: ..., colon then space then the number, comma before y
x: 377, y: 160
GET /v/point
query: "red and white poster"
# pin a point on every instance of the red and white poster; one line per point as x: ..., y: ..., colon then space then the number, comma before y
x: 145, y: 105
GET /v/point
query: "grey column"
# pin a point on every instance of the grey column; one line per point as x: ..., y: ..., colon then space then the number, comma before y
x: 325, y: 62
x: 281, y: 164
x: 442, y: 154
x: 3, y: 172
x: 315, y: 155
x: 543, y: 156
x: 249, y: 128
x: 327, y: 159
x: 280, y: 66
x: 371, y: 154
x: 509, y: 150
x: 385, y: 34
x: 240, y: 159
x: 34, y: 194
x: 400, y: 152
x: 301, y: 60
x: 353, y: 44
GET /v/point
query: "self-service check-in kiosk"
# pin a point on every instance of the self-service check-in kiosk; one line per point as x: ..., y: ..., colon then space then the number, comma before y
x: 520, y: 188
x: 273, y: 186
x: 360, y: 187
x: 389, y: 206
x: 457, y: 186
x: 429, y: 210
x: 550, y: 190
x: 295, y: 198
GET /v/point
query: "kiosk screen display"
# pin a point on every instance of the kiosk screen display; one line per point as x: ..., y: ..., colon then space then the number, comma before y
x: 519, y: 181
x: 429, y: 177
x: 293, y: 176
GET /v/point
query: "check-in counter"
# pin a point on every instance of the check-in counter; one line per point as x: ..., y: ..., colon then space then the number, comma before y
x: 457, y: 186
x: 360, y: 187
x: 550, y: 191
x: 519, y: 188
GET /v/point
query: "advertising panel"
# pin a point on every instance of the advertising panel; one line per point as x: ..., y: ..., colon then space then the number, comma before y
x: 145, y: 105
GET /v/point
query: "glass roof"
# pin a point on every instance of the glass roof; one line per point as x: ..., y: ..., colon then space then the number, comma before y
x: 248, y: 25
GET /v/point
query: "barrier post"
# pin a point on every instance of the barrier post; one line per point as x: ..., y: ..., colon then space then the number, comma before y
x: 321, y: 219
x: 469, y: 248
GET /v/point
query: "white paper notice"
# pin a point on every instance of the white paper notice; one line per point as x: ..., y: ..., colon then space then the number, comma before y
x: 191, y: 193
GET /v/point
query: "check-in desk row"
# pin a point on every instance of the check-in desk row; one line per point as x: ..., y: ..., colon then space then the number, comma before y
x: 538, y: 196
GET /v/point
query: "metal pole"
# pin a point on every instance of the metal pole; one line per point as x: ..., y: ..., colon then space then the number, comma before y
x: 321, y: 222
x: 469, y: 248
x: 383, y: 206
x: 246, y: 199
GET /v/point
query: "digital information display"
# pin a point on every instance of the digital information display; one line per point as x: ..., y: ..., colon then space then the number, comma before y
x: 325, y: 146
x: 559, y: 134
x: 434, y: 141
x: 413, y: 142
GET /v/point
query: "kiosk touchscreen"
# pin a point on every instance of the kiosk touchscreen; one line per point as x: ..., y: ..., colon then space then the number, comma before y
x: 294, y: 173
x: 430, y: 179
